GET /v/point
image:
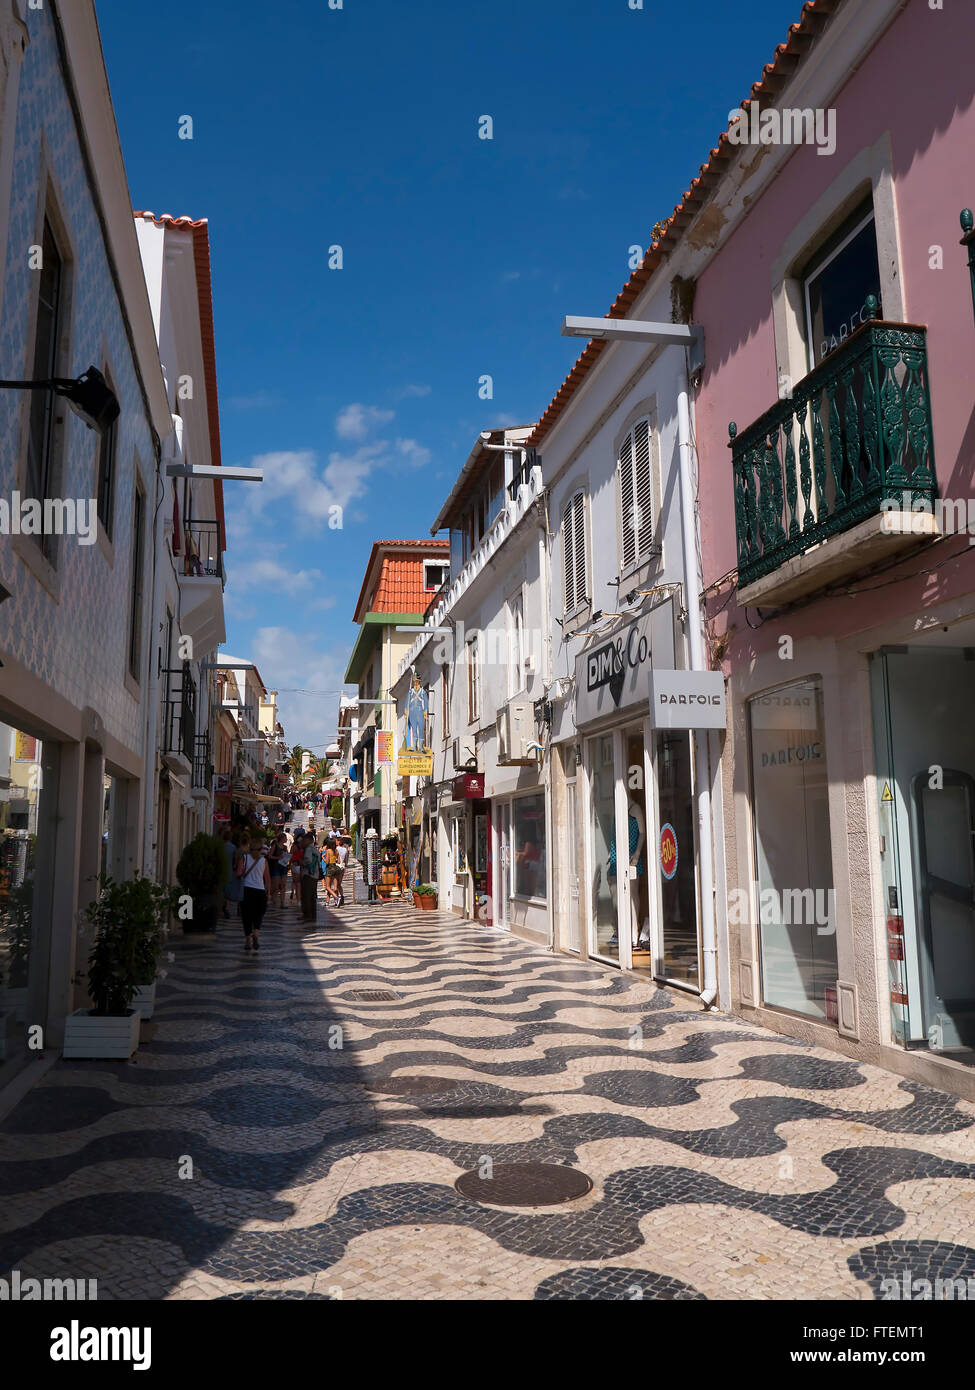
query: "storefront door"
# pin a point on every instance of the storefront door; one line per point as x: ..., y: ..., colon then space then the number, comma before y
x: 676, y: 954
x: 925, y: 747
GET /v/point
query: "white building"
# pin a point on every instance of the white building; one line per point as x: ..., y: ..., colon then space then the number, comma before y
x: 187, y: 608
x: 484, y: 658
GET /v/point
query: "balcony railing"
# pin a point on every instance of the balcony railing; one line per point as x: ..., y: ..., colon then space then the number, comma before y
x: 179, y: 716
x: 201, y: 553
x: 855, y: 432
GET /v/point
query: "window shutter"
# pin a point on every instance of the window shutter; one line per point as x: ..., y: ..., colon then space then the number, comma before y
x: 568, y: 554
x: 643, y: 484
x: 579, y: 545
x: 627, y: 532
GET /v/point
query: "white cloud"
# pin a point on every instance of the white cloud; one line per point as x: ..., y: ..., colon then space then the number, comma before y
x: 289, y: 661
x: 414, y: 390
x: 418, y: 455
x: 355, y: 421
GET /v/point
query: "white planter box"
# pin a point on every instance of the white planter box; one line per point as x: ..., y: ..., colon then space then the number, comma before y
x: 144, y: 1000
x: 87, y: 1035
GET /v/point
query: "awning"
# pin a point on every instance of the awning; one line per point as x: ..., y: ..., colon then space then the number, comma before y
x: 255, y: 799
x: 368, y: 736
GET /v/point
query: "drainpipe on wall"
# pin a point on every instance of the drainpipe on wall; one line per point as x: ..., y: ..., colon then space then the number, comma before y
x: 546, y: 674
x: 698, y: 662
x: 151, y: 725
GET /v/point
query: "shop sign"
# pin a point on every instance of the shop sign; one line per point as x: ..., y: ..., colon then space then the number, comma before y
x: 613, y: 675
x: 668, y: 851
x: 414, y: 764
x: 687, y: 699
x: 469, y: 786
x: 384, y: 746
x: 221, y: 784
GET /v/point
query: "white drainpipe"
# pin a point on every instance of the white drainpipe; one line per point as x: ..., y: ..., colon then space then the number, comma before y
x: 698, y: 662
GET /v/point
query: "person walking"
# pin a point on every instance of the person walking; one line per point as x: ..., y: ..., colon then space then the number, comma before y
x: 232, y: 892
x: 330, y: 863
x: 296, y: 852
x: 310, y: 871
x: 278, y: 862
x: 342, y: 855
x: 253, y: 871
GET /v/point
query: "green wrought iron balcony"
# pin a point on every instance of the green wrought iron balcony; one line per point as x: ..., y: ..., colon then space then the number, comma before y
x: 852, y: 441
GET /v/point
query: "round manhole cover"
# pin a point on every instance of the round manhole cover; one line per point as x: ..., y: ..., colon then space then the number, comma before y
x: 414, y: 1085
x: 525, y: 1185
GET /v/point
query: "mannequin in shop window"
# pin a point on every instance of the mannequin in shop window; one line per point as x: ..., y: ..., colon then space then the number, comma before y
x: 636, y: 840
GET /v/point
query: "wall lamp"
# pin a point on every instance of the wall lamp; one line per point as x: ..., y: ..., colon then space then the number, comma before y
x: 88, y: 395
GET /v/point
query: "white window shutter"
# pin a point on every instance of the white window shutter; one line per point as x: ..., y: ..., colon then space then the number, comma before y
x: 625, y: 497
x: 568, y: 556
x: 579, y: 509
x: 643, y: 487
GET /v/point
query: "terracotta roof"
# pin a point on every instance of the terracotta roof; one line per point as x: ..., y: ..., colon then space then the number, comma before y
x: 814, y: 17
x: 399, y: 587
x: 204, y: 290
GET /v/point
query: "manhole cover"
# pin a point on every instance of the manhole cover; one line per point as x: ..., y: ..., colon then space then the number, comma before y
x: 414, y: 1085
x: 372, y: 996
x: 525, y: 1185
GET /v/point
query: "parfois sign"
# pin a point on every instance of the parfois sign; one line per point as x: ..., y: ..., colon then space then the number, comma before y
x: 613, y: 675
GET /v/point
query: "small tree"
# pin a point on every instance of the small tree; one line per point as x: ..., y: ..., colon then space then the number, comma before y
x: 202, y: 867
x: 129, y: 920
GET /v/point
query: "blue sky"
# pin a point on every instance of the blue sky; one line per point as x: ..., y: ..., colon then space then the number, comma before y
x: 358, y: 127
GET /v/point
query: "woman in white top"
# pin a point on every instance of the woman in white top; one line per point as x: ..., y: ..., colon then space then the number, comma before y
x: 252, y: 868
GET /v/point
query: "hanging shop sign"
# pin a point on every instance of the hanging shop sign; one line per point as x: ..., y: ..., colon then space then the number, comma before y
x: 612, y: 675
x: 414, y: 764
x: 687, y: 699
x: 668, y: 851
x: 221, y: 784
x: 384, y: 746
x: 469, y: 786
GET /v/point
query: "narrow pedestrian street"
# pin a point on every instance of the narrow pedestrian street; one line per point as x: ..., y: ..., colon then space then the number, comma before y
x: 325, y: 1134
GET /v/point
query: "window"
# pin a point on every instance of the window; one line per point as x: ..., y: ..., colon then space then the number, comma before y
x: 473, y: 681
x: 458, y: 844
x: 793, y: 860
x: 528, y: 845
x: 496, y: 493
x: 40, y: 480
x: 138, y: 581
x: 434, y: 574
x: 635, y: 494
x: 837, y: 281
x: 517, y: 676
x: 574, y: 551
x: 106, y: 473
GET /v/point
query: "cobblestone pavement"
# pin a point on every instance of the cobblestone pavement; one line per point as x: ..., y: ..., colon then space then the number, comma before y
x: 253, y: 1147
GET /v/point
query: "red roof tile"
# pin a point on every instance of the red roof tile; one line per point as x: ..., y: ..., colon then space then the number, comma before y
x: 397, y: 577
x: 814, y: 16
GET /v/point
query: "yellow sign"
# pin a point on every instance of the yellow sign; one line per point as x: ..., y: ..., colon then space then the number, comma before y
x: 414, y: 764
x: 384, y: 746
x: 887, y: 796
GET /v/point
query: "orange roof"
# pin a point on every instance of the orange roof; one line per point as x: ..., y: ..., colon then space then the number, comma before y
x: 204, y: 290
x: 814, y: 16
x: 399, y: 580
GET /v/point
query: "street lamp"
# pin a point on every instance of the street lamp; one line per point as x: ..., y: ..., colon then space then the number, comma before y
x: 88, y: 395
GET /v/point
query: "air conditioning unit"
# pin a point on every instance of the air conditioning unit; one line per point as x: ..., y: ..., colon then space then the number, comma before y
x: 465, y: 753
x: 516, y: 734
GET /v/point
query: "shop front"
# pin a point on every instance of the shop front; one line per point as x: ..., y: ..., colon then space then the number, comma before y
x: 465, y: 821
x: 922, y: 696
x: 635, y: 802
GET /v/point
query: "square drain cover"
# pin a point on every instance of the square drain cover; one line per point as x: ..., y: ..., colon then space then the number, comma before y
x: 372, y: 996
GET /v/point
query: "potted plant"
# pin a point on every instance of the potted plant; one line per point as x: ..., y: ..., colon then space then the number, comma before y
x: 425, y: 897
x: 129, y: 920
x: 202, y: 872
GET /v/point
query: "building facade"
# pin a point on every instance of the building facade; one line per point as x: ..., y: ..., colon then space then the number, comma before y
x: 74, y: 624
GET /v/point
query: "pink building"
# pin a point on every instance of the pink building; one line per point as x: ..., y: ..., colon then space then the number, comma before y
x: 837, y: 558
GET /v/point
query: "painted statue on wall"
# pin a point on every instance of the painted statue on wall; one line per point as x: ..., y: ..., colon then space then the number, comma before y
x: 416, y: 713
